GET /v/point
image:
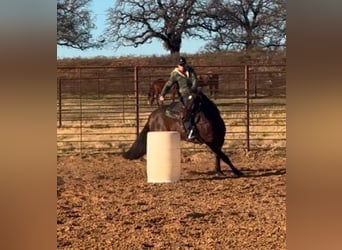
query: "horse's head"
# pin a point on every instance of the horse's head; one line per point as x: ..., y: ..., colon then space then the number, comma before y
x: 154, y: 91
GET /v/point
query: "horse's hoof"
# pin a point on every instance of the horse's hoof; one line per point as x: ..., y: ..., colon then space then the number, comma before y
x: 219, y: 174
x: 238, y: 173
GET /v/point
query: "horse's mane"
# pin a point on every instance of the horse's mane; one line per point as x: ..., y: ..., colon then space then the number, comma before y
x: 208, y: 106
x: 212, y: 113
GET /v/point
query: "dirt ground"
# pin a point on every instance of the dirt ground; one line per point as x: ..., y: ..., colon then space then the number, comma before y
x: 105, y: 202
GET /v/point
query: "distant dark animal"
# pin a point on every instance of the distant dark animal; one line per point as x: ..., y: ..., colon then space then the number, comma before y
x: 155, y: 90
x: 210, y: 80
x: 209, y: 126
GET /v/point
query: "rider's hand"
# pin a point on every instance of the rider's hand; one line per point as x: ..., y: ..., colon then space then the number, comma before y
x: 161, y: 98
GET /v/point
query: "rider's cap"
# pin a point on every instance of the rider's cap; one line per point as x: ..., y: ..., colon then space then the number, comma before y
x: 182, y: 61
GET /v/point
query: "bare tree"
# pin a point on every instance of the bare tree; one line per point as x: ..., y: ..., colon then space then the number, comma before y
x: 248, y: 24
x: 74, y: 24
x: 226, y: 24
x: 137, y: 22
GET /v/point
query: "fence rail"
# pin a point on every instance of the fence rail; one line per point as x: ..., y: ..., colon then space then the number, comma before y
x: 102, y: 109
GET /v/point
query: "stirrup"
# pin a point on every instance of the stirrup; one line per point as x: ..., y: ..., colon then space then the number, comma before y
x: 191, y: 135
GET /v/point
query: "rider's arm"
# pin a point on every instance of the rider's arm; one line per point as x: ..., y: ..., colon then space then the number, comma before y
x: 168, y: 85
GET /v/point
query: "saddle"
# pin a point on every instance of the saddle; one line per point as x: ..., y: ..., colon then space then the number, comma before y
x: 174, y: 110
x: 177, y: 111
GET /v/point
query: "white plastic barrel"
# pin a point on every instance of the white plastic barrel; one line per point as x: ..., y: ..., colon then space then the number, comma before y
x: 163, y: 156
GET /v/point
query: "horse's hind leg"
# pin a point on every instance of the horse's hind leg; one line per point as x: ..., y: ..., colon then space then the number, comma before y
x: 156, y: 97
x: 225, y: 158
x: 233, y: 168
x: 150, y: 99
x: 218, y: 166
x: 211, y: 90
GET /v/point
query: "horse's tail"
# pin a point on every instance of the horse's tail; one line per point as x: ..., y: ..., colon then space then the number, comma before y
x: 138, y: 148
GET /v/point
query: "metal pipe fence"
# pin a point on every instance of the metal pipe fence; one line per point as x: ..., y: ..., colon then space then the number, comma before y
x: 102, y: 109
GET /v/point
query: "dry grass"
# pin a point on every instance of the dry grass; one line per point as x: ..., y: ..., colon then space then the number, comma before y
x: 114, y: 130
x: 217, y: 58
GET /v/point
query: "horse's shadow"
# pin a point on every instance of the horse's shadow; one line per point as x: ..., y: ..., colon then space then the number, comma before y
x: 248, y: 173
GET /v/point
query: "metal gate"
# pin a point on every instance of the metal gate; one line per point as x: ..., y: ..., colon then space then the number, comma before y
x: 102, y: 109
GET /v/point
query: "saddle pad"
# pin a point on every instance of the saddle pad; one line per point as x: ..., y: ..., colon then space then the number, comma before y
x: 173, y: 110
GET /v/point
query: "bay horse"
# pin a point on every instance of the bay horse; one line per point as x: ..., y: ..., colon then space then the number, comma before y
x: 209, y: 126
x: 211, y: 80
x: 155, y: 89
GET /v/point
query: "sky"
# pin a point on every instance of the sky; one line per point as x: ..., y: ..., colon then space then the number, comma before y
x: 98, y: 9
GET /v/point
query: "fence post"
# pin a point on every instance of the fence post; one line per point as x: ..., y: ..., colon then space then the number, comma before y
x: 80, y: 89
x: 60, y: 102
x: 255, y: 84
x: 136, y: 92
x: 247, y: 105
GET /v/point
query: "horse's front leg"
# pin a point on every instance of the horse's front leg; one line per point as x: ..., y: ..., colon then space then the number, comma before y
x: 156, y: 98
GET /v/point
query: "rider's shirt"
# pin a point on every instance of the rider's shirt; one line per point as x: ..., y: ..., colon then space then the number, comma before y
x: 186, y: 81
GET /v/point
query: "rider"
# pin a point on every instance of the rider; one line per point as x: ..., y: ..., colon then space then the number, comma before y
x: 186, y: 78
